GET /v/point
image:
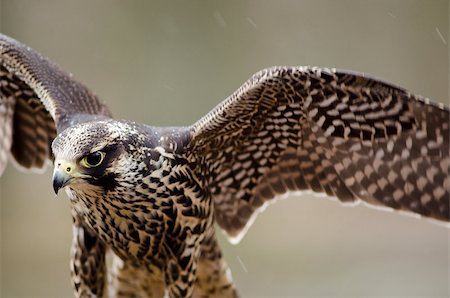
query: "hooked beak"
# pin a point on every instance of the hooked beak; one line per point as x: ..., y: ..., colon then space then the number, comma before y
x: 63, y: 174
x: 60, y: 180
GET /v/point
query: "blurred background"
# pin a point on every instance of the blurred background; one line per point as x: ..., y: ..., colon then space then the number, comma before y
x: 169, y: 63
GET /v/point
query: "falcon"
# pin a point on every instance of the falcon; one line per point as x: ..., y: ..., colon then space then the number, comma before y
x: 151, y: 195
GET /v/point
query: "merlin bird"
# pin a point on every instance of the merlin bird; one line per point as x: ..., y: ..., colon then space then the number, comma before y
x: 151, y: 195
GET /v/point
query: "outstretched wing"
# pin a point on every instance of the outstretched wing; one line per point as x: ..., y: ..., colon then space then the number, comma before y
x: 336, y: 132
x: 37, y: 100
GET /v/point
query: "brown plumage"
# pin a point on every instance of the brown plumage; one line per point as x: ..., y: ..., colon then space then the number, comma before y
x: 151, y: 195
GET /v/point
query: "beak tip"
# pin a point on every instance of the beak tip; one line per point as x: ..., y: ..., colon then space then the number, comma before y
x: 59, y: 181
x: 56, y: 189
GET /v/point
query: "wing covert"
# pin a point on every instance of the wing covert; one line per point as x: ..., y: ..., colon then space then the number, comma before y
x: 334, y: 132
x: 37, y: 100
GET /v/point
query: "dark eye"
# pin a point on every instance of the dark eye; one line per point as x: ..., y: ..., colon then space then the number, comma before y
x: 93, y: 159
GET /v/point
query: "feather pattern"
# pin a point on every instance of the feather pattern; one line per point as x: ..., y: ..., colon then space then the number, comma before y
x: 37, y: 99
x: 150, y: 195
x: 334, y: 132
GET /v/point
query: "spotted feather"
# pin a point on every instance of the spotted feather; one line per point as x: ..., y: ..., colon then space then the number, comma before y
x: 37, y: 99
x: 153, y: 194
x: 330, y: 131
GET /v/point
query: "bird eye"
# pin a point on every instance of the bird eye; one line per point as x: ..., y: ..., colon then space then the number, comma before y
x: 93, y: 159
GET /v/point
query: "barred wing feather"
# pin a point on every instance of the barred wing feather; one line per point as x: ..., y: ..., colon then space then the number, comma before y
x: 37, y: 100
x: 334, y: 132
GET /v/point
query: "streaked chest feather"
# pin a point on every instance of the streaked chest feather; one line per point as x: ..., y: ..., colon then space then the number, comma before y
x: 157, y: 205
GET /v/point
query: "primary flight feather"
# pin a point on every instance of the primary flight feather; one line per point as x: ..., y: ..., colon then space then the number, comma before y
x: 151, y: 195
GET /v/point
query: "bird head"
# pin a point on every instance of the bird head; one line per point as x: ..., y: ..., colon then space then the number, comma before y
x: 92, y: 156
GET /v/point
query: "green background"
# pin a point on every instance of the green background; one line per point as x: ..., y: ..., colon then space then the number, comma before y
x: 169, y: 63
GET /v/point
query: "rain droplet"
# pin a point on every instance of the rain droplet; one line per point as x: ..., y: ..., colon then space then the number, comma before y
x: 219, y: 18
x: 242, y: 264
